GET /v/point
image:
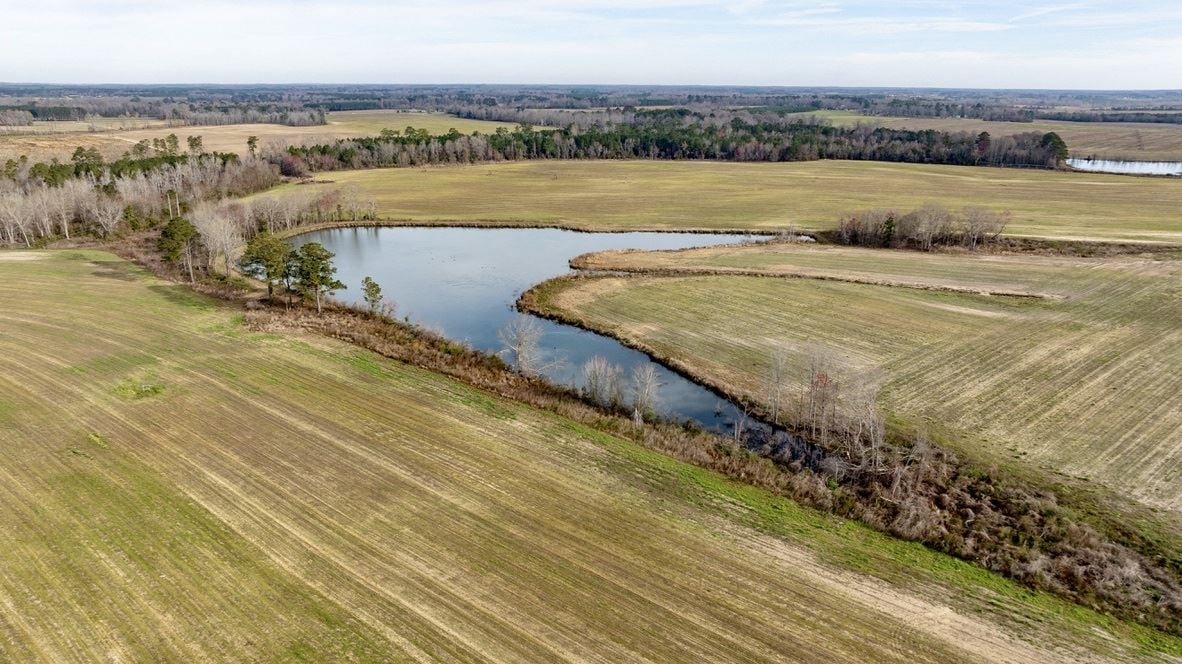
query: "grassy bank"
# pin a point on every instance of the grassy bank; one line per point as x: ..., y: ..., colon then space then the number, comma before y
x: 179, y: 487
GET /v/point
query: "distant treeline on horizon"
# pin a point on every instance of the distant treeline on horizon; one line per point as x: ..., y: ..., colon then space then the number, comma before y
x: 306, y: 104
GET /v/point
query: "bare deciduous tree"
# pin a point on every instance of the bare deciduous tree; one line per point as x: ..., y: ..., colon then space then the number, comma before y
x: 268, y: 213
x: 521, y: 337
x: 12, y: 217
x: 106, y: 213
x: 40, y: 210
x: 777, y: 379
x: 645, y: 386
x: 601, y: 382
x: 982, y: 224
x: 221, y: 231
x: 741, y: 424
x: 821, y: 392
x: 923, y: 228
x: 925, y: 225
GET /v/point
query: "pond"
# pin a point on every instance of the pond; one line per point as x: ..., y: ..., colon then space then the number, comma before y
x: 1127, y: 167
x: 463, y: 283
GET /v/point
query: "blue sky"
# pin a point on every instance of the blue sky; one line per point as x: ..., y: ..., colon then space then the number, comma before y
x: 1057, y: 44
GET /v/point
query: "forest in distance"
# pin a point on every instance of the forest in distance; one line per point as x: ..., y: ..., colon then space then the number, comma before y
x: 556, y: 122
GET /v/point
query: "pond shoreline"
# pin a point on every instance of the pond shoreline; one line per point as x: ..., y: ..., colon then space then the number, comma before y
x: 533, y: 301
x: 1142, y: 168
x: 297, y: 231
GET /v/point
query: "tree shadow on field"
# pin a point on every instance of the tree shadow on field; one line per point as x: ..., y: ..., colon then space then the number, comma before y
x: 182, y: 296
x: 115, y: 270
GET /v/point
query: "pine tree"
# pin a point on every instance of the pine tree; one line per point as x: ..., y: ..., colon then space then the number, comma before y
x: 317, y: 274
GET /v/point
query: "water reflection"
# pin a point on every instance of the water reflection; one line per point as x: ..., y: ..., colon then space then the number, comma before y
x: 1127, y: 167
x: 463, y: 282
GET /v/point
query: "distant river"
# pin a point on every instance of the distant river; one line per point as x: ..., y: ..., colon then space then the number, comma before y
x: 1127, y: 167
x: 464, y: 282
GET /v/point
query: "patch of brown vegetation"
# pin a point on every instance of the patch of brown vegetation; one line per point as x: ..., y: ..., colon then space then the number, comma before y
x: 604, y: 261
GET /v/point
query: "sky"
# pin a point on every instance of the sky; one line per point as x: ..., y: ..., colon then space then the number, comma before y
x: 1133, y: 44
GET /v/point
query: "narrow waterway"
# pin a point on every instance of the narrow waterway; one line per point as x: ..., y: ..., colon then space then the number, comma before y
x: 463, y: 283
x: 1127, y: 167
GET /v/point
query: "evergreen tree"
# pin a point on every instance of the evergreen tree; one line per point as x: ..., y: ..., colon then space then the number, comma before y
x: 316, y: 273
x: 1057, y: 146
x: 269, y: 254
x: 372, y: 293
x: 178, y: 242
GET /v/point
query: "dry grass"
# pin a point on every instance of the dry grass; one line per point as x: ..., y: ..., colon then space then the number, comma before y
x: 1087, y: 383
x: 232, y: 138
x: 177, y: 488
x: 618, y: 195
x: 81, y: 126
x: 1145, y: 141
x: 953, y: 270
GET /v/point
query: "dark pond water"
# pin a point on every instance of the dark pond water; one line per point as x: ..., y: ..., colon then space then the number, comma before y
x: 1127, y: 167
x: 463, y: 282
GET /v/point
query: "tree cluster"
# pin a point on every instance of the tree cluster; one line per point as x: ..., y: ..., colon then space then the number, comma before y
x: 307, y: 270
x: 15, y: 118
x: 606, y: 385
x: 924, y: 228
x: 40, y: 202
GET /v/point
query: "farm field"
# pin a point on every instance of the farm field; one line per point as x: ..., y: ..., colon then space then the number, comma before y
x: 616, y: 195
x: 1137, y: 141
x: 82, y: 126
x: 232, y: 138
x: 177, y: 487
x: 1086, y: 383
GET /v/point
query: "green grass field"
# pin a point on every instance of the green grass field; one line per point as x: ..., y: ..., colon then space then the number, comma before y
x: 1112, y: 140
x: 1087, y: 383
x: 176, y: 487
x: 42, y: 146
x: 616, y: 195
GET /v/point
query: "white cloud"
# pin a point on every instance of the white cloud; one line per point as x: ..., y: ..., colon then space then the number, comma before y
x: 774, y: 42
x: 1044, y: 11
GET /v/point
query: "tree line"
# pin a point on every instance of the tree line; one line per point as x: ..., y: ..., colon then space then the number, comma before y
x: 181, y: 102
x: 174, y: 112
x: 42, y: 202
x: 680, y: 136
x: 1112, y: 116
